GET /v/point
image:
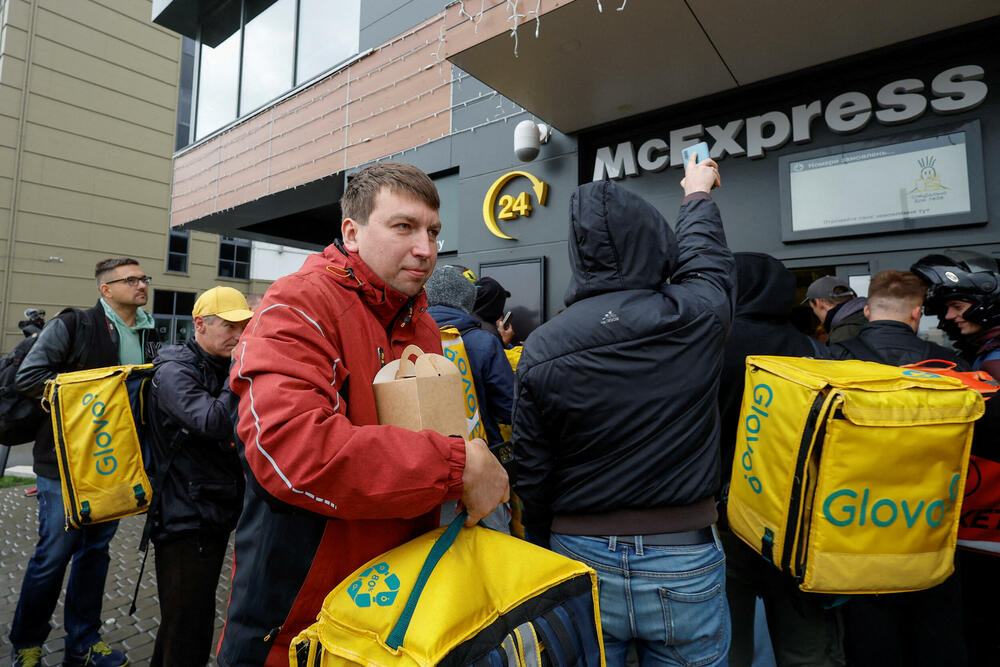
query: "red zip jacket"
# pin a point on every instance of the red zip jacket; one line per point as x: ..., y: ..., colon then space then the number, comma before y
x: 328, y: 488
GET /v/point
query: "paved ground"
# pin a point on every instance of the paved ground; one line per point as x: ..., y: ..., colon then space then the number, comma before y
x: 132, y: 634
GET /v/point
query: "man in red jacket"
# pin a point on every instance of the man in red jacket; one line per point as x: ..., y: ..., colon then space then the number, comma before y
x: 328, y: 488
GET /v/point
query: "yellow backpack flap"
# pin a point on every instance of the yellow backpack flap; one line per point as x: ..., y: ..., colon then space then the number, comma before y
x: 848, y: 475
x: 458, y: 596
x: 454, y: 351
x: 96, y: 417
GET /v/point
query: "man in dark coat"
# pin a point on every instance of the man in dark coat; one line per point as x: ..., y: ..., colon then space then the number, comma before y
x: 115, y: 331
x: 616, y: 430
x: 839, y: 309
x: 802, y: 631
x: 893, y: 630
x: 201, y: 493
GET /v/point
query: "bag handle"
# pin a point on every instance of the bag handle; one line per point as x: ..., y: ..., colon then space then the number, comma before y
x: 932, y: 363
x: 441, y: 544
x: 406, y: 367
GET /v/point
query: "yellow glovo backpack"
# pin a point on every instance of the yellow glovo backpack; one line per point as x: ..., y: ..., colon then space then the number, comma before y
x: 849, y: 475
x: 97, y: 416
x: 459, y: 596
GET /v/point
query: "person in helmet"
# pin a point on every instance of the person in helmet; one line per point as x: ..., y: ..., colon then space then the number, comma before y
x: 34, y: 320
x: 963, y: 290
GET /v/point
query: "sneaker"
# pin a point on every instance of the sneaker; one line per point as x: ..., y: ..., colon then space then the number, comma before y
x: 98, y: 655
x: 27, y: 657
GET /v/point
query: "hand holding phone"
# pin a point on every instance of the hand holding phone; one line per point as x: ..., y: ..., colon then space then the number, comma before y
x: 505, y: 320
x: 699, y: 149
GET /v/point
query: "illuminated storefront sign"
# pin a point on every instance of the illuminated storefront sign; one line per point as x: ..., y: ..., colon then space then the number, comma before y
x: 952, y: 91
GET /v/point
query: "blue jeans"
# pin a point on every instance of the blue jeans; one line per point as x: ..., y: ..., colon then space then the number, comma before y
x: 671, y: 601
x: 88, y: 549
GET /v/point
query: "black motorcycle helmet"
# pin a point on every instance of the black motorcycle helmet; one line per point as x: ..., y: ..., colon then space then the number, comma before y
x: 961, y: 275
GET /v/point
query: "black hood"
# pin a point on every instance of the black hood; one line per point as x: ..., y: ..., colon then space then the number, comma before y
x: 618, y: 241
x: 765, y: 288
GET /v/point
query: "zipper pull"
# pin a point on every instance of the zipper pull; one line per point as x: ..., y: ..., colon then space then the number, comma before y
x: 381, y: 357
x: 273, y: 634
x: 409, y: 316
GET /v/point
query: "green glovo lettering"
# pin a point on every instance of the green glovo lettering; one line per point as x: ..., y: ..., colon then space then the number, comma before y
x: 845, y: 506
x: 104, y: 453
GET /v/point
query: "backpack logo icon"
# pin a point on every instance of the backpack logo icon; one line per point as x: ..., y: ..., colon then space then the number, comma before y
x: 609, y: 317
x: 368, y: 587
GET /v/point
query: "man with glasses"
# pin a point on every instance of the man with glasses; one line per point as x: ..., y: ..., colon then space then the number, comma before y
x: 115, y: 331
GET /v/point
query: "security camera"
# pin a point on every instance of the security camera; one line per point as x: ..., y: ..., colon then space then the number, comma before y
x: 528, y: 137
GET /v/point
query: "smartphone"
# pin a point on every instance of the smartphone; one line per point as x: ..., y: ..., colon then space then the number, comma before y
x: 505, y: 320
x: 699, y: 149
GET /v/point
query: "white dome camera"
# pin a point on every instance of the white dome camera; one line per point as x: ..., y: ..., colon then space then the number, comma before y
x: 528, y: 137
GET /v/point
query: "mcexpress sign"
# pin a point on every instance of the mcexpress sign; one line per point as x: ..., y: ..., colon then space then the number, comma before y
x: 952, y: 91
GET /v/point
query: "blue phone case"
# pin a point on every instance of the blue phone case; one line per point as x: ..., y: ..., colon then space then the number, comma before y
x: 701, y: 149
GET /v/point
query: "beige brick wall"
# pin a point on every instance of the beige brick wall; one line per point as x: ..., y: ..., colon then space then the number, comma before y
x: 88, y: 97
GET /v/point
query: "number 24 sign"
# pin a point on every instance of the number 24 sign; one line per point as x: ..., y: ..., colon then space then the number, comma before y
x: 511, y: 207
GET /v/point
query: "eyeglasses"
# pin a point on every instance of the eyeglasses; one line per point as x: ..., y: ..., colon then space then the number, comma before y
x: 132, y: 280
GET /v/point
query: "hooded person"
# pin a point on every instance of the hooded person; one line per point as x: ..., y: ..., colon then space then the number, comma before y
x: 451, y: 297
x: 802, y: 631
x: 616, y: 432
x: 491, y: 298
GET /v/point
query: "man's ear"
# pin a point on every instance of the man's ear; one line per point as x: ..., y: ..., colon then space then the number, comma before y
x: 349, y: 233
x: 868, y: 313
x: 199, y: 324
x: 915, y: 316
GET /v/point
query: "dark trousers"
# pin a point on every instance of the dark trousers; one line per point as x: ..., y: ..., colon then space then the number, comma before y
x: 923, y: 628
x: 803, y: 632
x: 187, y: 574
x: 981, y: 603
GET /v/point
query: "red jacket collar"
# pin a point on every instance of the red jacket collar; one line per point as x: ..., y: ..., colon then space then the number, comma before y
x: 351, y: 272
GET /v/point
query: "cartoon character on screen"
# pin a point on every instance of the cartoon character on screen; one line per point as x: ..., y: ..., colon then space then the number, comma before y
x: 929, y: 180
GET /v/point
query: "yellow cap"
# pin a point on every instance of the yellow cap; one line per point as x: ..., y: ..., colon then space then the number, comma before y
x: 224, y: 302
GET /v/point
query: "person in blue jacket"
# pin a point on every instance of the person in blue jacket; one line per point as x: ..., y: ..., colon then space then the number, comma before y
x: 452, y: 297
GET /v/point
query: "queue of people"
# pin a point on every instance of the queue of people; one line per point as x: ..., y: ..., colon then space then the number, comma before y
x: 623, y: 418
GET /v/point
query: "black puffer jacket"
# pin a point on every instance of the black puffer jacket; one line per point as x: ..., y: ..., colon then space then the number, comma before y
x: 765, y: 294
x: 203, y: 490
x: 616, y: 400
x: 893, y: 343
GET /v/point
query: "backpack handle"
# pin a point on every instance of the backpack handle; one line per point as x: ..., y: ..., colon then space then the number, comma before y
x: 932, y: 363
x: 441, y: 544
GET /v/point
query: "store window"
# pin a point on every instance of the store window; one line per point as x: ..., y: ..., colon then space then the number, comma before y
x: 268, y: 52
x: 234, y: 258
x: 328, y: 34
x: 253, y: 51
x: 172, y: 315
x: 177, y: 251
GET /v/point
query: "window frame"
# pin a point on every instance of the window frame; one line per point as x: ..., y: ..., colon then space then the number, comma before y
x: 236, y: 243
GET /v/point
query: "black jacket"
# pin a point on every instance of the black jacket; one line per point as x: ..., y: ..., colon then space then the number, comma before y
x: 893, y: 343
x: 765, y: 294
x: 203, y: 489
x: 616, y: 400
x: 72, y: 340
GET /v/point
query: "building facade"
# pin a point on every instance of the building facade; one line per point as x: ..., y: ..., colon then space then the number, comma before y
x: 847, y: 145
x: 88, y: 115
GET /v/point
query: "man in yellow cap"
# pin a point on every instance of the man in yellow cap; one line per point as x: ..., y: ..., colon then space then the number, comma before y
x: 199, y: 482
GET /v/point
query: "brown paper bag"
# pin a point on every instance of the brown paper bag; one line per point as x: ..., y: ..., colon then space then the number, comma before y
x: 425, y: 393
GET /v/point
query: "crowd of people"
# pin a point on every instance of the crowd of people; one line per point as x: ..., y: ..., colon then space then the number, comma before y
x: 622, y: 418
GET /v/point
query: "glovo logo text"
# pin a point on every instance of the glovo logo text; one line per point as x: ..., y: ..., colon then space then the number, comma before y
x: 845, y: 507
x: 106, y: 462
x: 471, y: 402
x: 511, y: 207
x: 753, y: 422
x: 375, y: 584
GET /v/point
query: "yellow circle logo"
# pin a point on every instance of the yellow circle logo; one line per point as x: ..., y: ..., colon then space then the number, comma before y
x: 511, y: 207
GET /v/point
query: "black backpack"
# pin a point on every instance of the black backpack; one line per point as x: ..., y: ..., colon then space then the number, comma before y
x: 20, y: 416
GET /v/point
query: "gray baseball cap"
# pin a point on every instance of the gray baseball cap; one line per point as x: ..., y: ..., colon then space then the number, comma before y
x: 828, y: 287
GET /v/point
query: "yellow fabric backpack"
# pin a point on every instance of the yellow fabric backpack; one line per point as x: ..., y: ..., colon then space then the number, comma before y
x: 97, y: 416
x: 849, y: 475
x: 459, y: 596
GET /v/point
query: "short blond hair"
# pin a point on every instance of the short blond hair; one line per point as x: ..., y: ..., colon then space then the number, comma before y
x: 896, y: 291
